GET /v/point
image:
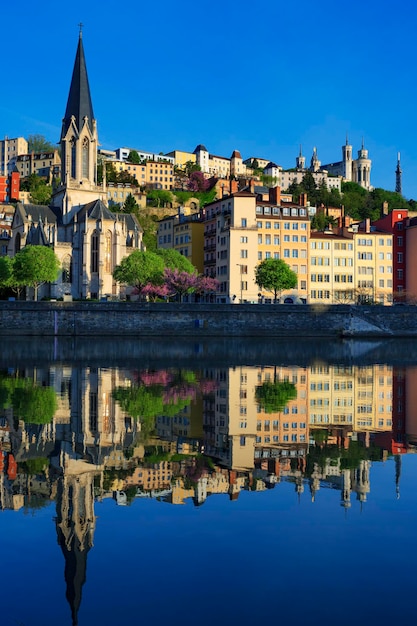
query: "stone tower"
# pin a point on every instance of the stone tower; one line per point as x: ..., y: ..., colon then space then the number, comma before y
x: 362, y: 168
x: 300, y: 161
x: 315, y: 164
x: 347, y: 161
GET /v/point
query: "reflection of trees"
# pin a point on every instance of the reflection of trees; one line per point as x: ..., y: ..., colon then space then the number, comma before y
x: 273, y: 397
x: 157, y: 392
x: 29, y: 401
x: 349, y: 458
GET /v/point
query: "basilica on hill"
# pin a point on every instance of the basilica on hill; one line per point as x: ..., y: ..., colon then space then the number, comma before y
x: 88, y: 239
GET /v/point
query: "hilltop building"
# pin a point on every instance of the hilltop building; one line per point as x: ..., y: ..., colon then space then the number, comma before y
x: 87, y: 237
x: 352, y: 170
x: 10, y: 149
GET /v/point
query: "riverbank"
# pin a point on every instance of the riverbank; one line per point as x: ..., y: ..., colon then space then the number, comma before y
x: 132, y: 319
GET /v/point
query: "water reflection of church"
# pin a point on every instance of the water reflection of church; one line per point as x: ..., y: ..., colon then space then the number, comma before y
x: 333, y: 423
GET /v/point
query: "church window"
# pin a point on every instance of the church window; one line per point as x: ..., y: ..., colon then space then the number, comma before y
x: 73, y: 158
x: 85, y: 158
x: 107, y: 254
x: 94, y: 252
x: 67, y: 270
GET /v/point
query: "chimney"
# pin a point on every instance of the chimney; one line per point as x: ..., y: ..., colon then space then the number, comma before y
x: 303, y: 199
x: 385, y: 208
x: 368, y: 225
x: 234, y: 187
x: 252, y: 185
x: 275, y: 195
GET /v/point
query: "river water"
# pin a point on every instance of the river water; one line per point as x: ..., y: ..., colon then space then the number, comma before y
x: 207, y: 483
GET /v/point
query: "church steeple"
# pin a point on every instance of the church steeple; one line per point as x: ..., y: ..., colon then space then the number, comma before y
x: 79, y: 103
x: 79, y: 141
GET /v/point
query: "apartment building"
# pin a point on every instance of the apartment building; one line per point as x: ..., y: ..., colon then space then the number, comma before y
x: 9, y: 187
x: 45, y: 164
x: 184, y: 233
x: 233, y: 220
x: 396, y: 222
x: 241, y: 230
x: 9, y: 151
x: 283, y: 232
x: 331, y: 268
x: 155, y: 174
x: 373, y: 264
x: 352, y: 263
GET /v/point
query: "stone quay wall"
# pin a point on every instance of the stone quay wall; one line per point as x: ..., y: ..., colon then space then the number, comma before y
x: 134, y: 319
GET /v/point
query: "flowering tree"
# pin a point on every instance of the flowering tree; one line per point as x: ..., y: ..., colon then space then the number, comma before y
x: 197, y: 182
x: 207, y: 284
x: 153, y: 292
x: 180, y: 283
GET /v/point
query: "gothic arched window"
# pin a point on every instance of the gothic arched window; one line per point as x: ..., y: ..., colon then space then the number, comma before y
x: 17, y: 243
x: 73, y: 158
x: 107, y: 253
x: 94, y: 252
x: 85, y: 158
x: 67, y: 269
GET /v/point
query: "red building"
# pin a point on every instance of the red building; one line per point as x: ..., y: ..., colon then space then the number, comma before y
x: 9, y: 187
x: 395, y: 223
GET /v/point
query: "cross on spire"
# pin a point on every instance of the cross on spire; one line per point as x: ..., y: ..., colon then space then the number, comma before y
x: 81, y: 28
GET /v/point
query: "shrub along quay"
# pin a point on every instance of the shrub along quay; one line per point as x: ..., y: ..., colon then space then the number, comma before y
x: 204, y: 320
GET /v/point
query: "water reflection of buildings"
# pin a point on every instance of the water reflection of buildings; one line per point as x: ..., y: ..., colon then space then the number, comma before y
x: 325, y: 435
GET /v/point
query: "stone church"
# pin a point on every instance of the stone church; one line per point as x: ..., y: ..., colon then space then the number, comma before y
x: 88, y: 239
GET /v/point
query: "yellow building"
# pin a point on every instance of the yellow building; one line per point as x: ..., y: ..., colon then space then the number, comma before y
x: 184, y: 233
x: 331, y: 268
x: 45, y: 164
x: 373, y: 265
x: 155, y: 174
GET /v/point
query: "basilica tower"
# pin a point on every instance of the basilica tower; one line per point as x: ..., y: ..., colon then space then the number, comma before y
x: 347, y: 161
x: 362, y: 168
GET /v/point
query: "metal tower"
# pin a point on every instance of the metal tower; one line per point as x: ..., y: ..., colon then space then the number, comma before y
x: 398, y: 176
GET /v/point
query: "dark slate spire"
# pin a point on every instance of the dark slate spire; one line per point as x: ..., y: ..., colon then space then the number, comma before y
x: 79, y: 102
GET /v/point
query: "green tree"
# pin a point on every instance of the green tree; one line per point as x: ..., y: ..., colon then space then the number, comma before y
x: 354, y: 199
x: 38, y: 143
x: 34, y: 266
x: 6, y: 271
x: 40, y: 191
x: 139, y: 269
x: 275, y: 275
x: 133, y: 157
x: 34, y: 404
x: 321, y: 221
x: 159, y: 197
x: 274, y: 396
x: 175, y: 261
x: 130, y: 205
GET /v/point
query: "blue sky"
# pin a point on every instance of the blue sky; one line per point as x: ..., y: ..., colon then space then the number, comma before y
x: 261, y: 78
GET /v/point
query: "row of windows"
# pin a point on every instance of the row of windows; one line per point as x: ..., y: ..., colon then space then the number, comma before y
x: 286, y: 439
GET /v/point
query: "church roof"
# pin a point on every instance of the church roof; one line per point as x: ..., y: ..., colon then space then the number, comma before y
x: 200, y: 148
x: 79, y: 102
x: 96, y: 210
x: 36, y: 235
x: 36, y: 213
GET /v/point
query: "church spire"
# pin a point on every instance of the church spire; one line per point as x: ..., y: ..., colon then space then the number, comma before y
x: 398, y: 176
x: 79, y: 104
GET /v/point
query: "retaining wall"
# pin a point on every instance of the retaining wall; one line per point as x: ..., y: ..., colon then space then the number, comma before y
x: 204, y: 320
